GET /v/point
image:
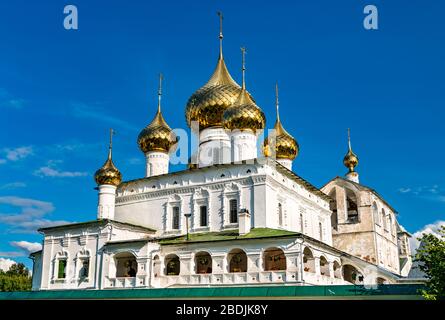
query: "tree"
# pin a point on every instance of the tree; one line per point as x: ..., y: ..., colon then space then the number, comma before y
x: 15, y: 279
x: 431, y: 258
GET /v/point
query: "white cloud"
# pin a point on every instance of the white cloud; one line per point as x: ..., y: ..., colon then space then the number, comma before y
x: 82, y: 110
x: 431, y: 228
x: 29, y: 216
x: 11, y: 254
x: 26, y: 246
x: 5, y: 264
x: 18, y: 153
x: 13, y: 185
x: 434, y: 192
x: 8, y: 101
x: 50, y: 170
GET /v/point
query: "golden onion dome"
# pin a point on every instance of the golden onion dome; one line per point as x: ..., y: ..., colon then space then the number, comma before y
x: 244, y: 114
x: 286, y: 147
x: 157, y: 136
x: 207, y: 104
x: 108, y: 173
x: 350, y: 160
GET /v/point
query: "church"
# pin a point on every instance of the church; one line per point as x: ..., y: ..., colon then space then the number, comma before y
x: 237, y: 216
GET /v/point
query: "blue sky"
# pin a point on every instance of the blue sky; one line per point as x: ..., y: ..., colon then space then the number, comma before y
x: 61, y: 90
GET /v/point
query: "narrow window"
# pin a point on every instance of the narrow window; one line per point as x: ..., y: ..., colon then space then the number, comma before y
x: 280, y: 214
x: 84, y: 270
x: 301, y: 223
x: 233, y: 211
x: 320, y: 230
x: 175, y: 218
x: 62, y: 268
x: 203, y: 215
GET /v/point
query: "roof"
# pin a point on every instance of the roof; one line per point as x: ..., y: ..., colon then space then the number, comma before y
x: 280, y: 168
x: 362, y: 187
x: 227, y: 235
x: 388, y: 291
x: 144, y: 240
x: 93, y: 223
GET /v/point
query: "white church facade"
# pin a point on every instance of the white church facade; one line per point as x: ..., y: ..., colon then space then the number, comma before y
x: 238, y: 216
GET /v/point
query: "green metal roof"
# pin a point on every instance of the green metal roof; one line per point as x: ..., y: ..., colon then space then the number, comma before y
x: 255, y: 233
x: 332, y: 292
x: 94, y: 223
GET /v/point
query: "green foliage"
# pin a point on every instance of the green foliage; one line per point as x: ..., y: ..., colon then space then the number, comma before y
x: 431, y: 258
x: 15, y: 279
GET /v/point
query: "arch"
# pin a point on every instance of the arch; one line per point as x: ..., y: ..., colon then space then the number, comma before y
x: 375, y: 213
x: 237, y: 260
x: 280, y: 214
x: 156, y: 266
x: 337, y: 270
x: 324, y: 266
x: 390, y: 229
x: 383, y: 214
x: 203, y: 262
x: 308, y: 260
x: 126, y: 264
x: 351, y: 206
x: 333, y: 207
x: 352, y: 275
x: 274, y: 259
x: 172, y: 265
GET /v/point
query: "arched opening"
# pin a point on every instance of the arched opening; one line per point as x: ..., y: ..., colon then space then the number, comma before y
x: 126, y: 265
x: 172, y: 265
x: 274, y: 259
x: 351, y: 207
x: 337, y: 270
x: 381, y: 280
x: 324, y: 266
x: 237, y: 261
x: 390, y: 224
x: 203, y: 262
x: 308, y: 260
x: 156, y: 266
x: 384, y: 220
x: 280, y: 214
x: 375, y: 213
x: 333, y: 207
x: 352, y: 275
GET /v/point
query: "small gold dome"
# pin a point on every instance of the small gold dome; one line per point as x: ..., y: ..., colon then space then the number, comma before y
x: 157, y: 136
x: 244, y: 114
x: 108, y: 173
x: 350, y: 160
x: 286, y: 147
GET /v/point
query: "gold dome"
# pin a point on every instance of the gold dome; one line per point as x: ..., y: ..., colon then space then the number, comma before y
x: 244, y: 114
x: 286, y: 147
x: 108, y: 173
x: 208, y: 103
x: 157, y: 136
x: 350, y: 160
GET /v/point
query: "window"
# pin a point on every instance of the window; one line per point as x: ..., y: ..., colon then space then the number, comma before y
x: 62, y: 269
x: 85, y: 268
x: 320, y: 230
x: 233, y: 204
x: 203, y: 216
x: 375, y: 212
x: 352, y: 208
x: 280, y: 215
x: 384, y: 220
x: 301, y: 223
x: 175, y: 220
